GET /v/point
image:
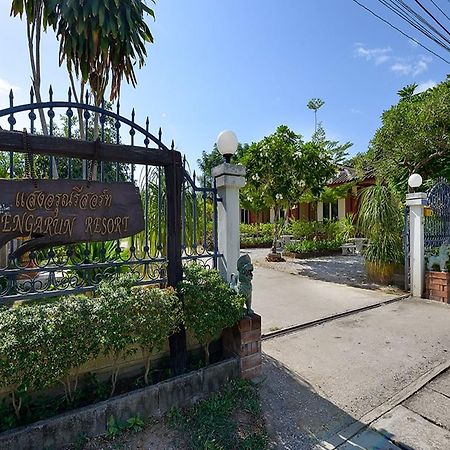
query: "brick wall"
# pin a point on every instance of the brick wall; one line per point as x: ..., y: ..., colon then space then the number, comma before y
x: 437, y: 286
x: 244, y: 341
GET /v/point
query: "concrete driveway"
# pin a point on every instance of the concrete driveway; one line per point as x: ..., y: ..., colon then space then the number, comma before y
x: 283, y: 299
x: 329, y: 378
x: 360, y: 381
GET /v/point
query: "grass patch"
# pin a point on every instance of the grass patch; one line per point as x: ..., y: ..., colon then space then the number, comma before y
x: 229, y: 420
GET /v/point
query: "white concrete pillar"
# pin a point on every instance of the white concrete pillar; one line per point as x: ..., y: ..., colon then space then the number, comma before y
x: 319, y: 212
x: 272, y: 215
x: 341, y: 208
x: 416, y: 202
x: 229, y: 179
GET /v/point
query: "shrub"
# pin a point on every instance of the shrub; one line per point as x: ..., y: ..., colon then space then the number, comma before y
x: 157, y: 314
x: 312, y: 246
x: 44, y: 344
x: 321, y: 231
x: 256, y: 234
x: 210, y: 305
x: 381, y: 220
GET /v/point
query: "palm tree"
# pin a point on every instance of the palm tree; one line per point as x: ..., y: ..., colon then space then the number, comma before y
x: 101, y: 42
x: 35, y: 14
x: 315, y: 104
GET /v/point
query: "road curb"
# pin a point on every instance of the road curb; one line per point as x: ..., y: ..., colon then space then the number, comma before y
x: 343, y: 436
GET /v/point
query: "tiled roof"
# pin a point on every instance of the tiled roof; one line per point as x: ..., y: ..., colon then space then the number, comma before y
x: 348, y: 174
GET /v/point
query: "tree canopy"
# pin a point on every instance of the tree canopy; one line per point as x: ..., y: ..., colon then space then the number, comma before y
x: 282, y: 167
x: 414, y: 137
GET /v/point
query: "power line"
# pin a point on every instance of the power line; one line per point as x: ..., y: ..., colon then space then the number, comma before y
x: 405, y: 12
x: 439, y: 8
x: 400, y: 31
x: 431, y: 15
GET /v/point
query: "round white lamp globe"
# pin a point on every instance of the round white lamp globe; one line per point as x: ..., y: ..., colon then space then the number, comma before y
x: 415, y: 180
x: 227, y: 144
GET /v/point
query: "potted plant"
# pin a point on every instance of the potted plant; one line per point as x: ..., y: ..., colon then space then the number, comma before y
x: 380, y: 220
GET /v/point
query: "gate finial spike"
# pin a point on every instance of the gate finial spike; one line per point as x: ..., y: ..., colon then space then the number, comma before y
x: 172, y: 147
x: 133, y: 113
x: 69, y: 94
x: 50, y: 93
x: 31, y: 95
x: 87, y: 97
x: 11, y: 98
x: 160, y: 133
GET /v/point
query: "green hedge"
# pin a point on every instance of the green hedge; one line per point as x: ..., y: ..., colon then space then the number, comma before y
x: 256, y: 234
x: 328, y: 230
x: 46, y: 344
x: 313, y: 246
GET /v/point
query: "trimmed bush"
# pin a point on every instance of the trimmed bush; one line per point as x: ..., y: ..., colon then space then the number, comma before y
x: 258, y: 234
x: 42, y: 345
x: 313, y: 246
x: 210, y: 305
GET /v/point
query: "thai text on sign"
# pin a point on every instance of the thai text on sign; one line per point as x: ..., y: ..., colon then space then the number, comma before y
x: 56, y: 212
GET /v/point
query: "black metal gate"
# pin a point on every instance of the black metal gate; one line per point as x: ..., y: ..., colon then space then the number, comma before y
x: 180, y: 217
x: 437, y: 223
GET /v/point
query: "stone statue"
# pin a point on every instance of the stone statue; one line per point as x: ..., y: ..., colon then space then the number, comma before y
x: 440, y: 260
x: 242, y: 283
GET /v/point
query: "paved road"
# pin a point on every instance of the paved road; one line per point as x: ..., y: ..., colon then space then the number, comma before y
x: 283, y: 299
x: 323, y: 379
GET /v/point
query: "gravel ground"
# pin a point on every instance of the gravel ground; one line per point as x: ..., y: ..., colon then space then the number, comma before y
x: 348, y: 270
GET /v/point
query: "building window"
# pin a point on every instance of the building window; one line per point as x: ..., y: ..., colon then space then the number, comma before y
x: 334, y: 210
x: 330, y: 211
x: 326, y: 211
x: 245, y: 216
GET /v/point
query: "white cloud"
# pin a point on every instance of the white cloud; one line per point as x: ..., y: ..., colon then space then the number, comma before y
x: 377, y: 55
x: 411, y: 67
x: 5, y: 87
x: 422, y: 87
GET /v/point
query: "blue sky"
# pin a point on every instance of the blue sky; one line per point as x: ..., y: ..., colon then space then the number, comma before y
x: 250, y: 66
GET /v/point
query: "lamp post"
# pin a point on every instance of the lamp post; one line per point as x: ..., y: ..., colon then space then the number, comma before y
x: 416, y: 202
x: 415, y: 180
x: 227, y: 144
x: 229, y: 179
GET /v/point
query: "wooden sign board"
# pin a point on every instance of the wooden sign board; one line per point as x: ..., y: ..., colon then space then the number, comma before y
x: 58, y: 212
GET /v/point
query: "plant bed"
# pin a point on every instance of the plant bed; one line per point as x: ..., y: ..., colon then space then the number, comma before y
x: 312, y: 254
x: 437, y: 286
x: 151, y: 401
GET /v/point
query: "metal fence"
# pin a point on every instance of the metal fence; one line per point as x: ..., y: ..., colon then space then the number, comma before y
x: 437, y: 225
x: 180, y: 217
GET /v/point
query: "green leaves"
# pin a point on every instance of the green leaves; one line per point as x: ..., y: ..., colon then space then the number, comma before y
x: 102, y: 40
x: 380, y: 220
x: 209, y: 303
x: 41, y: 345
x: 414, y: 137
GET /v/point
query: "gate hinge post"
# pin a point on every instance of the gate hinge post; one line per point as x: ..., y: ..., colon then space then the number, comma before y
x: 229, y: 179
x: 416, y: 202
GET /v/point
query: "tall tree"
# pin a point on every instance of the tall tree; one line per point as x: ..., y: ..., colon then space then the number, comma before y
x: 101, y: 42
x: 408, y: 91
x: 36, y: 20
x: 414, y: 137
x: 315, y: 104
x: 282, y: 167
